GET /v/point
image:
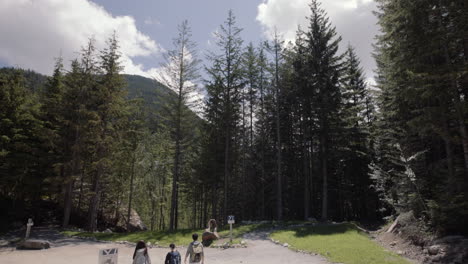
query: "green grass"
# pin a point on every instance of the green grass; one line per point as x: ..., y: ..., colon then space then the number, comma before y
x: 164, y: 238
x: 239, y: 230
x: 338, y: 243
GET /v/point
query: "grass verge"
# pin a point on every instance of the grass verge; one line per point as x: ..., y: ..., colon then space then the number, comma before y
x: 164, y: 238
x: 342, y: 243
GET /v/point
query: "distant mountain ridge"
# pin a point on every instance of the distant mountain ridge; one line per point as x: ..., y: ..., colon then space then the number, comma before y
x: 153, y: 93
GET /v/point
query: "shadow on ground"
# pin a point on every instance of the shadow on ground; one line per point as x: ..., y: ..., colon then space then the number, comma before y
x: 50, y: 234
x: 324, y: 229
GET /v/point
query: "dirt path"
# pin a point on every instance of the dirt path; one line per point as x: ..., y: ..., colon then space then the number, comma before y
x: 75, y: 251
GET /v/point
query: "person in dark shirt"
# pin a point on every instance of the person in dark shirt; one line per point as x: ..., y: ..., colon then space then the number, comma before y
x: 173, y: 257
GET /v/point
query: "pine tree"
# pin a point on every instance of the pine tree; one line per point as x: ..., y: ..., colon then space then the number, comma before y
x: 356, y: 149
x: 224, y: 91
x: 107, y: 102
x: 180, y: 74
x: 54, y: 118
x: 276, y: 50
x: 20, y: 139
x: 324, y: 67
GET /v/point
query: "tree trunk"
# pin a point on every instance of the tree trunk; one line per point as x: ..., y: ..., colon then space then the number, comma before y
x: 176, y: 217
x: 226, y: 176
x: 448, y: 151
x: 130, y: 196
x: 456, y: 96
x: 305, y: 163
x: 94, y: 203
x: 80, y: 196
x: 153, y: 213
x: 323, y: 147
x: 214, y: 202
x: 68, y: 201
x: 175, y: 178
x: 279, y: 191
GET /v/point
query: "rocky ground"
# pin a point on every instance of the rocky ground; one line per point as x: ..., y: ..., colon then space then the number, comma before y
x: 449, y: 249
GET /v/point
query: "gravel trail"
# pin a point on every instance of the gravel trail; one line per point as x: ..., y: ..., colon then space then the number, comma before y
x: 67, y: 250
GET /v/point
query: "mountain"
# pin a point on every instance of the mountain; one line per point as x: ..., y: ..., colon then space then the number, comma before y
x: 151, y: 91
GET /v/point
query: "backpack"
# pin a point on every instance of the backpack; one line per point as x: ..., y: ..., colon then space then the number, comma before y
x: 174, y: 257
x: 197, y: 250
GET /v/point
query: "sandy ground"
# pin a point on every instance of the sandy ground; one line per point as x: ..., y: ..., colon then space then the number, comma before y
x: 75, y: 251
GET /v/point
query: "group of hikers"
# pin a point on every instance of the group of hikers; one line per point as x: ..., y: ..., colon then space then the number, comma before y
x: 194, y: 252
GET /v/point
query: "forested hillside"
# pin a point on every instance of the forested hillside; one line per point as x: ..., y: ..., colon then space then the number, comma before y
x: 288, y: 131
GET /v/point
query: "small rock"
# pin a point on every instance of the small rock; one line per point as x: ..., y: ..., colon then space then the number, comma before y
x: 107, y: 231
x: 393, y: 243
x: 399, y: 252
x: 285, y: 245
x: 34, y: 244
x: 433, y: 250
x: 437, y: 258
x: 242, y: 242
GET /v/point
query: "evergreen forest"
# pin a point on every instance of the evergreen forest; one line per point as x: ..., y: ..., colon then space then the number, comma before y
x: 273, y: 130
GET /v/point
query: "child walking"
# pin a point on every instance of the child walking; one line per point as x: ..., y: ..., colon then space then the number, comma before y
x: 141, y: 256
x: 173, y: 257
x: 195, y: 251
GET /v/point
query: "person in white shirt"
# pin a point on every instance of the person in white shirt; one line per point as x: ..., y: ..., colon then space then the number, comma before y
x: 141, y: 256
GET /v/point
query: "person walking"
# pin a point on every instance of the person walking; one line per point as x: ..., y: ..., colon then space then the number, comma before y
x: 141, y: 256
x: 195, y: 251
x: 173, y: 257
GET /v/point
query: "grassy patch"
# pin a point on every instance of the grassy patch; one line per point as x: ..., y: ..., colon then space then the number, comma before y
x: 239, y: 230
x: 164, y: 238
x: 338, y: 243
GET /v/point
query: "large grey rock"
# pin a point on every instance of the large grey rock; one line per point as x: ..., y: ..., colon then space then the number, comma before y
x: 136, y: 224
x: 34, y: 244
x: 434, y: 250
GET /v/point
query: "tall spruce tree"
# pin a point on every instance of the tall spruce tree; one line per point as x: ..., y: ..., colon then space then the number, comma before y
x: 107, y: 102
x: 225, y: 83
x: 324, y: 65
x: 276, y: 48
x: 180, y: 73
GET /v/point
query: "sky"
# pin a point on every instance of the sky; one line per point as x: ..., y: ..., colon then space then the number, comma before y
x: 34, y: 32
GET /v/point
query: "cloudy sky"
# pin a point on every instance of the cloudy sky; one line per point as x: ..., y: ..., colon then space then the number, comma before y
x: 34, y: 32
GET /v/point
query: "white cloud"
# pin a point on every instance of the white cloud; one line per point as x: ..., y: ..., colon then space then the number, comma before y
x: 35, y: 31
x: 353, y: 20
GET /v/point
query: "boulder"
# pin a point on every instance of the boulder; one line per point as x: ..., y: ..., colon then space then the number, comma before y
x: 34, y: 244
x: 209, y: 236
x: 434, y: 250
x: 136, y: 224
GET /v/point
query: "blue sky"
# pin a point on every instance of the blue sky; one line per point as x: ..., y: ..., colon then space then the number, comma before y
x: 40, y: 30
x: 159, y: 19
